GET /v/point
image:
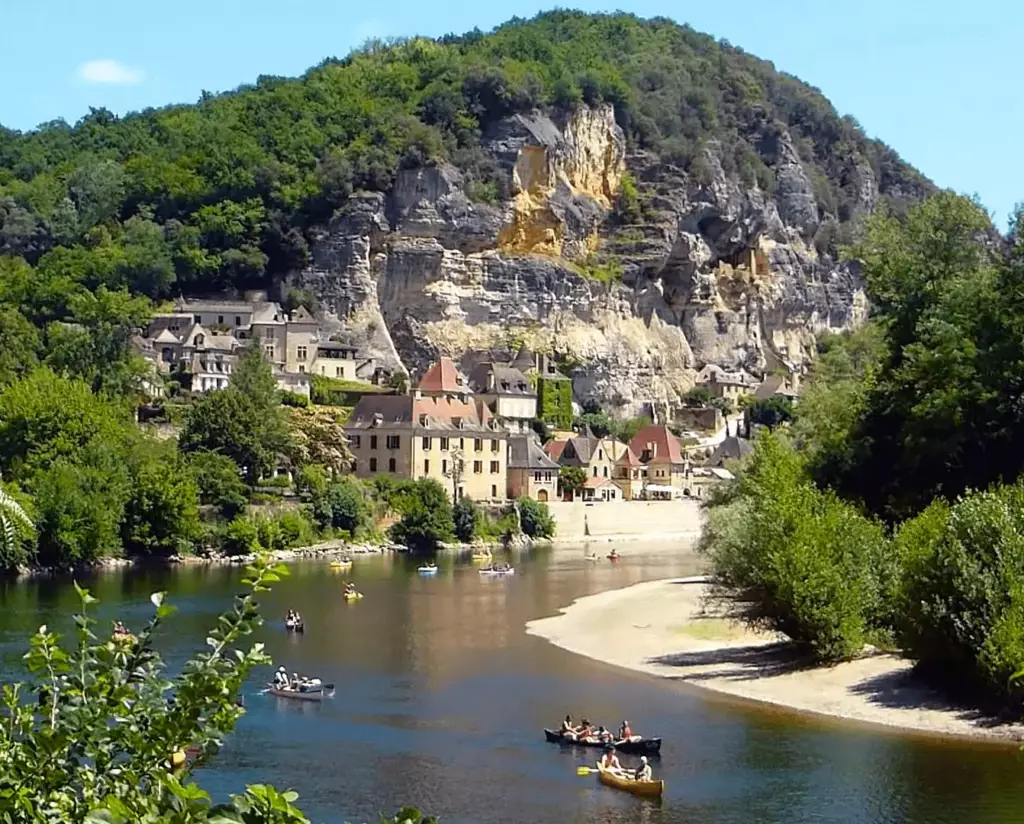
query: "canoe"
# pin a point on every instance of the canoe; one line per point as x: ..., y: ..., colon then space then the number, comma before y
x: 427, y: 570
x: 352, y: 596
x: 482, y: 557
x: 123, y: 638
x: 614, y: 557
x: 341, y: 564
x: 631, y: 746
x: 645, y: 789
x: 311, y: 695
x: 498, y: 571
x: 292, y: 627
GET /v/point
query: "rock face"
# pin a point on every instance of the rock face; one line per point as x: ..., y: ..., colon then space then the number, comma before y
x: 705, y: 271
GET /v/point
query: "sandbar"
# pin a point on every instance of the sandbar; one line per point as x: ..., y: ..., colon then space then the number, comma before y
x: 670, y: 630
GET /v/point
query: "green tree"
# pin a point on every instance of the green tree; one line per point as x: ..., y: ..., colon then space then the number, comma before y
x: 44, y: 417
x: 218, y: 482
x: 799, y: 561
x: 343, y: 506
x: 227, y: 422
x: 161, y: 515
x: 571, y: 479
x: 770, y: 412
x: 466, y: 518
x: 426, y: 517
x: 698, y: 396
x: 79, y: 508
x: 241, y: 536
x: 19, y: 345
x: 535, y: 518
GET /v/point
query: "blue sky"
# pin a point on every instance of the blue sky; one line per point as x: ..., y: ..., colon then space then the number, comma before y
x: 936, y: 79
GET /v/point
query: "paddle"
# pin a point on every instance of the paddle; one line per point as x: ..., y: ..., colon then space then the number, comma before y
x: 586, y: 770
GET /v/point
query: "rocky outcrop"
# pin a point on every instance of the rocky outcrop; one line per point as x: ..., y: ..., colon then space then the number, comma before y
x: 711, y: 272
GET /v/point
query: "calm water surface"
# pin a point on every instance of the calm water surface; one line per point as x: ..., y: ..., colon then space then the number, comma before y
x: 442, y: 697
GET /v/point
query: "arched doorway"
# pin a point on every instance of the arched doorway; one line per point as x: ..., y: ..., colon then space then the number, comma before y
x: 542, y: 496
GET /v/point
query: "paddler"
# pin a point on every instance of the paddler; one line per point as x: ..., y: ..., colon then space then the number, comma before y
x: 610, y: 761
x: 643, y: 772
x: 625, y: 731
x: 567, y: 726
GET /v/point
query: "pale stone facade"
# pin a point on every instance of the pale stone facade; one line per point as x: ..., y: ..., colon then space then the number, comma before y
x: 438, y: 431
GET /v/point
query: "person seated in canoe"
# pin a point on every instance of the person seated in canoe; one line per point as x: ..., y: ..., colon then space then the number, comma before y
x: 350, y: 588
x: 585, y: 729
x: 610, y: 761
x: 626, y: 732
x: 604, y: 736
x: 120, y: 629
x: 643, y: 772
x: 567, y: 726
x: 281, y: 678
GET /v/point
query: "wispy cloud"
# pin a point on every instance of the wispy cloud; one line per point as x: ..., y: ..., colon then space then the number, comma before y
x: 110, y: 72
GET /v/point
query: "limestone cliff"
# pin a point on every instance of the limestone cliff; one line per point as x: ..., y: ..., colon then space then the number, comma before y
x: 703, y: 270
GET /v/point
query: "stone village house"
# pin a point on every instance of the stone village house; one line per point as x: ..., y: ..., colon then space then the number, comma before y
x: 438, y: 431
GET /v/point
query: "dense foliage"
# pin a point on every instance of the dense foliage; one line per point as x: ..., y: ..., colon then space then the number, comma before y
x: 467, y: 517
x: 801, y: 561
x: 425, y: 516
x: 535, y: 519
x: 903, y: 420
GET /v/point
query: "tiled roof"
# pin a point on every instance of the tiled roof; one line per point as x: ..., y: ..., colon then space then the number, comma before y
x: 525, y: 453
x: 268, y: 313
x: 731, y: 449
x: 629, y: 458
x: 431, y: 413
x: 441, y: 377
x: 553, y: 449
x: 200, y: 305
x: 507, y: 380
x: 596, y: 483
x: 662, y: 444
x: 166, y: 336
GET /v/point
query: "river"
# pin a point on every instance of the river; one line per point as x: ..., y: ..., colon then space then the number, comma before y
x: 442, y: 697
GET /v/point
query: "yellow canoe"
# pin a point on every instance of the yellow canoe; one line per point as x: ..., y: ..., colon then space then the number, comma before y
x: 352, y: 596
x: 646, y: 789
x: 341, y: 564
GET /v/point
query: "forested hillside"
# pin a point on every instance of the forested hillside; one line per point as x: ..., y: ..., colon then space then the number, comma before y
x: 222, y: 193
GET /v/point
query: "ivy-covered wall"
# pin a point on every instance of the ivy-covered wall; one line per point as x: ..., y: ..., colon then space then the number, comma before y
x: 554, y: 401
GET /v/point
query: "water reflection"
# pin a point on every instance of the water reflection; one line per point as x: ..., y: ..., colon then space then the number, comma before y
x: 441, y: 699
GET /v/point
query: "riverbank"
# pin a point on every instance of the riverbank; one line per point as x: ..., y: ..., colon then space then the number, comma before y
x: 667, y: 629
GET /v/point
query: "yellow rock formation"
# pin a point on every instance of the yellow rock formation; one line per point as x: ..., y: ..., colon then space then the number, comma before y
x: 591, y: 164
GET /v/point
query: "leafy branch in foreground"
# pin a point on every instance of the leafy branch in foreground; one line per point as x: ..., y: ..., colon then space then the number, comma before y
x: 89, y: 737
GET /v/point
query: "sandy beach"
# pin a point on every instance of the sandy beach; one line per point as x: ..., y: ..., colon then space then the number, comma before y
x: 666, y: 629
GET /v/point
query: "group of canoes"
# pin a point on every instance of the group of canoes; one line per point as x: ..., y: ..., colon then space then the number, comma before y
x: 592, y: 735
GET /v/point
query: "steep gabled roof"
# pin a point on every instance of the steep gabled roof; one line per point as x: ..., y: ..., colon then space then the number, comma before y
x: 731, y: 449
x: 629, y: 459
x: 441, y: 377
x: 166, y: 336
x: 554, y: 449
x: 525, y: 453
x: 659, y: 442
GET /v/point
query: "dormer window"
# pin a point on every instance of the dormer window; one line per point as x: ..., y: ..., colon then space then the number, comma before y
x: 200, y: 340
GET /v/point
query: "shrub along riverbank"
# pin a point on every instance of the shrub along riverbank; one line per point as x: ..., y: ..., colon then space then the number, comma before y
x: 862, y: 521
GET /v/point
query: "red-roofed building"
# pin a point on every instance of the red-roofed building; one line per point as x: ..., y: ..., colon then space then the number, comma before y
x: 630, y: 475
x: 438, y: 431
x: 659, y: 450
x: 441, y: 380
